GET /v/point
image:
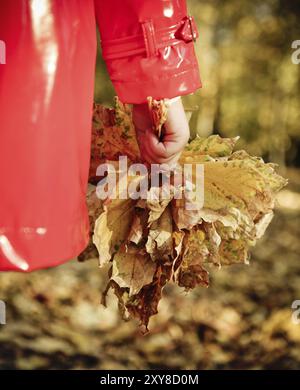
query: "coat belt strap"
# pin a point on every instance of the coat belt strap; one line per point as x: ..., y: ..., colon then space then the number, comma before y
x: 150, y: 40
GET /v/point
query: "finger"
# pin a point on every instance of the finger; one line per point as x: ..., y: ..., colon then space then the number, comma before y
x: 152, y: 158
x: 167, y: 148
x: 149, y: 154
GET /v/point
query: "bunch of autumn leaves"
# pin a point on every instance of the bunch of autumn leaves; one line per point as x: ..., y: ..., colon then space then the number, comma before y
x: 156, y: 240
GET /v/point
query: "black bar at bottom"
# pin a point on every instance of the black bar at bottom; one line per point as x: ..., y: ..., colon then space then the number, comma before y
x: 132, y: 379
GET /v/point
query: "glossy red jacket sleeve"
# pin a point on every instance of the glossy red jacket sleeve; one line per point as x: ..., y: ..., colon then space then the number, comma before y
x: 148, y: 47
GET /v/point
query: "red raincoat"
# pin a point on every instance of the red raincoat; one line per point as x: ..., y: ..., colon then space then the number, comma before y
x: 46, y: 96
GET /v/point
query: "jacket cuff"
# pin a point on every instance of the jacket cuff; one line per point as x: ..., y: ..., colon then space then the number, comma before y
x: 158, y: 87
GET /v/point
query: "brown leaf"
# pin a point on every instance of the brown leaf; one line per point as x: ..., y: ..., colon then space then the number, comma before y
x: 109, y: 233
x: 145, y: 304
x: 159, y: 243
x: 132, y: 271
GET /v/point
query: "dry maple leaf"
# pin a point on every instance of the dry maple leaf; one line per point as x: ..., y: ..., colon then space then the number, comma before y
x: 113, y: 225
x: 158, y: 114
x: 132, y: 271
x: 113, y: 135
x: 150, y: 242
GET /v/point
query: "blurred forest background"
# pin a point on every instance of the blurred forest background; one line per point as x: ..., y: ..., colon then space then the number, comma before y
x: 251, y: 88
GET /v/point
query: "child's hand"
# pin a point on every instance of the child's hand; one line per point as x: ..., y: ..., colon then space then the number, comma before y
x: 175, y: 136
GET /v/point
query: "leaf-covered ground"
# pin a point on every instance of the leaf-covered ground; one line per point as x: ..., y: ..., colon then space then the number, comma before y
x: 54, y: 319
